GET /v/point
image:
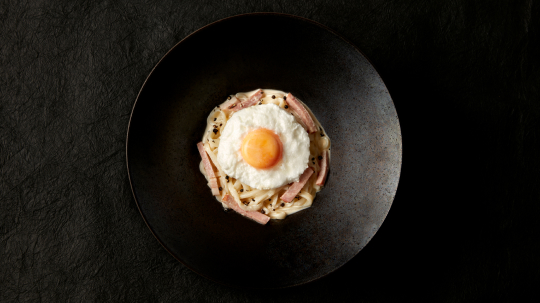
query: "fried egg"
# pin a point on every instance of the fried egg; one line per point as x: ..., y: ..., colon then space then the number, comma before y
x: 264, y: 147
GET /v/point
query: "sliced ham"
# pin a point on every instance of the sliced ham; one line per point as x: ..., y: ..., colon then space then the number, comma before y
x: 251, y: 100
x: 254, y: 215
x: 212, y: 180
x: 324, y: 169
x: 233, y: 104
x: 236, y: 104
x: 296, y: 187
x: 302, y: 113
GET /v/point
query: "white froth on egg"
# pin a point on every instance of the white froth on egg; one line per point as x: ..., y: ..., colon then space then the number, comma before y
x: 293, y: 136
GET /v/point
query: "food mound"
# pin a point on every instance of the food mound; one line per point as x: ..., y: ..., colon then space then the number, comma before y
x: 264, y: 154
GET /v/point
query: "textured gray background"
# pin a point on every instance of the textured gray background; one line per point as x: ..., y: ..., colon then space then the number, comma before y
x: 464, y: 76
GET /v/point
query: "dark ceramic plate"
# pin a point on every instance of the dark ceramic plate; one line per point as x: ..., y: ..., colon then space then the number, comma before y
x: 344, y: 92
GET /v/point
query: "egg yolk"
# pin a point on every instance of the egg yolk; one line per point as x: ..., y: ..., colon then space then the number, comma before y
x: 262, y: 148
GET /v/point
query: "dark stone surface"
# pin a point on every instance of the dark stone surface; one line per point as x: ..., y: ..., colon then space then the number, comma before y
x: 341, y: 88
x: 464, y: 76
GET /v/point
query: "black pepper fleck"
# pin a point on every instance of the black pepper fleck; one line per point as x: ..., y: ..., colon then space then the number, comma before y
x: 285, y: 98
x: 215, y: 119
x: 215, y: 131
x: 273, y: 96
x: 262, y: 211
x: 320, y: 157
x: 273, y: 210
x: 252, y: 199
x: 227, y: 177
x: 282, y: 204
x: 286, y: 106
x: 312, y: 159
x: 242, y: 190
x: 220, y: 188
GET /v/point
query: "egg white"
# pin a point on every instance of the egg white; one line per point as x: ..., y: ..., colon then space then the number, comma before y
x: 293, y: 136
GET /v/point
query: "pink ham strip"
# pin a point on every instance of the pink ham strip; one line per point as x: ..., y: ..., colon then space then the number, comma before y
x: 232, y: 104
x: 324, y: 169
x: 209, y: 171
x: 235, y: 104
x: 255, y: 215
x: 296, y: 187
x: 251, y: 101
x: 302, y: 113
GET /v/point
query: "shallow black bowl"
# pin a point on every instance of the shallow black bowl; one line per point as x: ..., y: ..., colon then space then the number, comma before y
x: 344, y: 92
